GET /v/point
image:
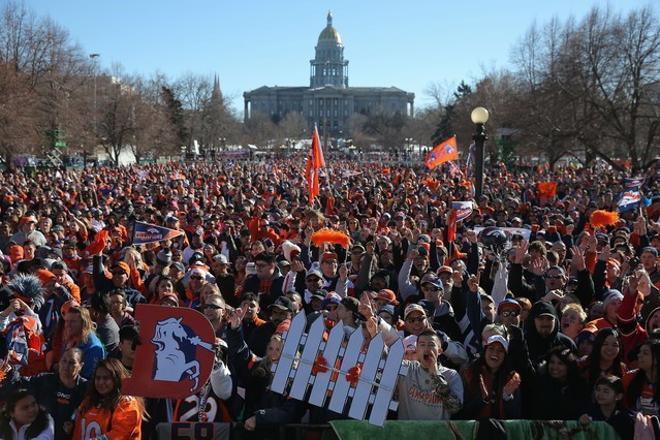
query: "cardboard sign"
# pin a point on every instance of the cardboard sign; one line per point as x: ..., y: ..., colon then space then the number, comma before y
x: 368, y: 377
x: 176, y: 353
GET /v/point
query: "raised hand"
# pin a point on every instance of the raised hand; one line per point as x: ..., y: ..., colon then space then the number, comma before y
x: 343, y: 272
x: 471, y: 236
x: 539, y: 266
x: 365, y: 308
x: 521, y: 252
x: 371, y: 325
x: 309, y: 230
x: 412, y: 254
x: 236, y: 318
x: 473, y: 282
x: 436, y: 233
x: 578, y: 259
x: 655, y: 226
x: 512, y: 385
x: 605, y: 254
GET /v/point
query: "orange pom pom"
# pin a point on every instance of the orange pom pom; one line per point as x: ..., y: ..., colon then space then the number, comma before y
x: 327, y: 235
x: 602, y: 218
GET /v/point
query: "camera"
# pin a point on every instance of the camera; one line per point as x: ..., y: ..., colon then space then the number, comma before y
x: 632, y: 265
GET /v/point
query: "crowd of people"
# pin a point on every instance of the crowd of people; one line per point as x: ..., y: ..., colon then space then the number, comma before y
x: 557, y: 320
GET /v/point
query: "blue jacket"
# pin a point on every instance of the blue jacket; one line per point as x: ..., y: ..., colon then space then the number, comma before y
x: 93, y: 352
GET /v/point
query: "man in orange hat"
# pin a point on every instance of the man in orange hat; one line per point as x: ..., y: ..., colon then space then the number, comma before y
x: 121, y: 273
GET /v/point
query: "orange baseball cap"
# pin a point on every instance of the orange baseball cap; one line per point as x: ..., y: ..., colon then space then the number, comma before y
x: 387, y: 295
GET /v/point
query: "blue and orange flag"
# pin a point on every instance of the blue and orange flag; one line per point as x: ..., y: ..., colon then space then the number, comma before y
x: 441, y: 153
x: 315, y: 162
x: 147, y: 233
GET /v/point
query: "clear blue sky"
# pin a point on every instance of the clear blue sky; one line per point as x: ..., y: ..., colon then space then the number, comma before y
x: 408, y: 44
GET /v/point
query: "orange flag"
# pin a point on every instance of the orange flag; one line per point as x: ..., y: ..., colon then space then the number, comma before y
x: 441, y: 153
x: 315, y: 162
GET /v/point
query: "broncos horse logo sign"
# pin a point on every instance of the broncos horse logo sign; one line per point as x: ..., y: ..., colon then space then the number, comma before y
x: 176, y: 354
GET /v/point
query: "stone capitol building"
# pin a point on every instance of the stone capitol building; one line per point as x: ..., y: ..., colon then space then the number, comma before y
x: 328, y: 102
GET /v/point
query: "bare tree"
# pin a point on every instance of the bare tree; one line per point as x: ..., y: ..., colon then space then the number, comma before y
x: 294, y: 126
x: 259, y: 129
x: 592, y: 87
x: 194, y: 91
x: 16, y: 116
x: 621, y: 59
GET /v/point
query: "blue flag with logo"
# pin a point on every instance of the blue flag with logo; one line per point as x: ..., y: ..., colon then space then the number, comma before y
x: 148, y: 233
x: 632, y: 198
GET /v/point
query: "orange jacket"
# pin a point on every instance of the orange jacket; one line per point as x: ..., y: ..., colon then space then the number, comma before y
x: 123, y: 423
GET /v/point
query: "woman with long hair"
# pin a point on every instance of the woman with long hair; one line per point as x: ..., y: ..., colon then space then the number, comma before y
x: 642, y: 390
x: 605, y: 358
x: 23, y: 418
x: 491, y: 385
x: 559, y: 392
x: 79, y: 332
x: 105, y: 411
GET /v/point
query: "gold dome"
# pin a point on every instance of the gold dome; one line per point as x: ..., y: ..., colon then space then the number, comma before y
x: 330, y: 33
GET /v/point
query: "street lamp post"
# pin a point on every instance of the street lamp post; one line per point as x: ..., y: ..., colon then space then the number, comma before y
x: 479, y: 117
x: 94, y: 58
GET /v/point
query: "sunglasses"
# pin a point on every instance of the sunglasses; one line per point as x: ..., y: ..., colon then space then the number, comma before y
x: 552, y: 277
x: 508, y: 313
x: 195, y: 277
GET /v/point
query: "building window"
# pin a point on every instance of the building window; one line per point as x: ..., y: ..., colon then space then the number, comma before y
x: 335, y: 113
x: 321, y: 102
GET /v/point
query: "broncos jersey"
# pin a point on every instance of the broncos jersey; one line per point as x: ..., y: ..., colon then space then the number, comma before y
x: 188, y: 409
x: 124, y: 422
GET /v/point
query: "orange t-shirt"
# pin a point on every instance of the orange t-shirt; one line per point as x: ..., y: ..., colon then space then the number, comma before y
x: 123, y: 423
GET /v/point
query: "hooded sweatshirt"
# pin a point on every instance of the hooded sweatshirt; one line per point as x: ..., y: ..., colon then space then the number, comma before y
x: 537, y: 345
x: 418, y: 399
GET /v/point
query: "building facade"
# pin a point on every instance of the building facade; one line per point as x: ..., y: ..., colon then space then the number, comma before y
x: 328, y: 102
